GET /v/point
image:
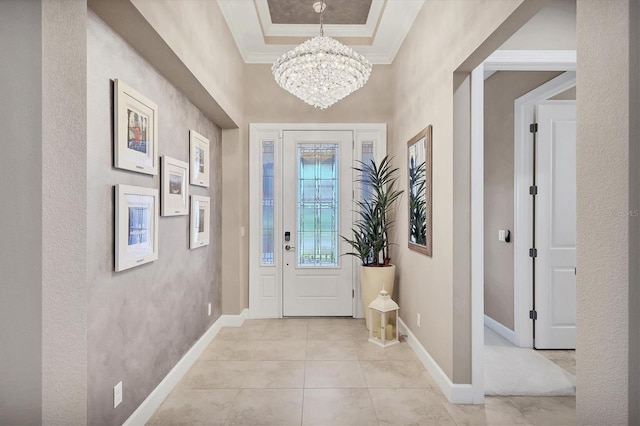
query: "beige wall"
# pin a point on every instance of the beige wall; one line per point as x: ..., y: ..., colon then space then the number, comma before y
x: 423, y: 94
x: 554, y: 27
x: 197, y: 33
x: 266, y: 102
x: 500, y: 92
x: 461, y: 228
x: 608, y: 325
x: 567, y: 95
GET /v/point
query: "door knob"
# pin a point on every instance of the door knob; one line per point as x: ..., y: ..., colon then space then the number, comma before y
x: 288, y: 247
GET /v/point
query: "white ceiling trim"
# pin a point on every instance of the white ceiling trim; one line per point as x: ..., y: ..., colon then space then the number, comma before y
x: 284, y: 30
x: 245, y: 26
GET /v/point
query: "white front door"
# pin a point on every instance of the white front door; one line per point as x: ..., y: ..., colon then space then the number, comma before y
x: 317, y: 209
x: 555, y: 226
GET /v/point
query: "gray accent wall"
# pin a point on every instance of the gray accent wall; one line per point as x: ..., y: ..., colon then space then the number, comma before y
x: 21, y: 217
x: 143, y: 320
x: 64, y: 212
x: 500, y: 92
x: 43, y: 299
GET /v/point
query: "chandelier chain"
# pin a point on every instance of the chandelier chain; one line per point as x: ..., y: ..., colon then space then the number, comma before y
x: 322, y: 6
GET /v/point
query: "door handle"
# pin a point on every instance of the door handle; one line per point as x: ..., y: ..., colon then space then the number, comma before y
x: 288, y: 247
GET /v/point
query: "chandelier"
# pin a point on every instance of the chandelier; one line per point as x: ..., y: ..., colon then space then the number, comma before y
x: 321, y: 71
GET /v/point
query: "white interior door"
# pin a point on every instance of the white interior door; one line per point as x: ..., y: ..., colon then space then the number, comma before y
x: 317, y: 209
x: 555, y: 226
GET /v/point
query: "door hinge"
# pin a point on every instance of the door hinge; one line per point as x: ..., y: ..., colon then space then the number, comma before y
x: 533, y: 252
x: 533, y: 190
x: 353, y: 294
x: 533, y: 128
x: 533, y: 315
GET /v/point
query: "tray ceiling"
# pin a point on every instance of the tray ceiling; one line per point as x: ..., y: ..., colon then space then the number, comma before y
x: 265, y: 29
x: 342, y: 12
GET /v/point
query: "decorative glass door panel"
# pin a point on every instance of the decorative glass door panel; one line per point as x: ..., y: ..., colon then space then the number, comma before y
x: 268, y: 203
x: 317, y: 205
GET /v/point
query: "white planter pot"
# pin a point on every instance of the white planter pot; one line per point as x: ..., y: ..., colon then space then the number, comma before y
x: 372, y: 280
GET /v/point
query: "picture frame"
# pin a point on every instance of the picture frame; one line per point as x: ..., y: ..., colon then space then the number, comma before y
x: 420, y: 175
x: 199, y: 162
x: 174, y: 185
x: 135, y: 130
x: 200, y: 221
x: 136, y: 226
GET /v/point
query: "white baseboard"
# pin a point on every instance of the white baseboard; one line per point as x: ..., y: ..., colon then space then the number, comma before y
x: 455, y: 393
x: 155, y: 398
x: 500, y: 329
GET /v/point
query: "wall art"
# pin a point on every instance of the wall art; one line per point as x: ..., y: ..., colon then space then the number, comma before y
x: 419, y: 168
x: 136, y: 131
x: 199, y: 159
x: 199, y: 227
x: 174, y: 187
x: 136, y: 227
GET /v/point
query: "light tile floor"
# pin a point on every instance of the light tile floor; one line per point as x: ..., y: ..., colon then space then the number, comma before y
x: 322, y: 371
x: 562, y: 358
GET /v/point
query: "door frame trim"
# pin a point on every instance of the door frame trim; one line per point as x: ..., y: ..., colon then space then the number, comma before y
x: 504, y: 60
x: 258, y: 308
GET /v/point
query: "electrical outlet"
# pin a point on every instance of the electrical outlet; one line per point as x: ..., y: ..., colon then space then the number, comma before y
x: 243, y: 231
x: 209, y: 309
x: 117, y: 394
x: 501, y: 235
x: 418, y: 319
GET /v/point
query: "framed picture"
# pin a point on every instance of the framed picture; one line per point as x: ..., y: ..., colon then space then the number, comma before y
x: 136, y: 131
x: 419, y: 168
x: 136, y: 226
x: 174, y: 186
x: 199, y: 159
x: 199, y: 227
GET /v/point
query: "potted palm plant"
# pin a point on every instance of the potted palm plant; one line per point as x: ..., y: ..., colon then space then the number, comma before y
x: 370, y: 241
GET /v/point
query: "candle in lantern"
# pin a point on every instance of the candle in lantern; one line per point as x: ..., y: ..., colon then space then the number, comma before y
x: 389, y: 332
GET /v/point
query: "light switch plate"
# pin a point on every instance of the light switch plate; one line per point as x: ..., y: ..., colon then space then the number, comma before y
x: 501, y: 234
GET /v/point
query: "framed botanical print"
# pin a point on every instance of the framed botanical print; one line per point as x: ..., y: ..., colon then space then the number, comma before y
x: 419, y: 168
x: 136, y: 230
x: 199, y: 223
x: 136, y: 131
x: 174, y: 186
x: 199, y: 159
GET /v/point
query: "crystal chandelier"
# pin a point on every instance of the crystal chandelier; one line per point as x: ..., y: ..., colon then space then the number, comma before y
x: 321, y: 71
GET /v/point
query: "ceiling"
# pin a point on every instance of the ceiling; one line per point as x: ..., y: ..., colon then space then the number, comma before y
x: 265, y: 29
x: 341, y: 12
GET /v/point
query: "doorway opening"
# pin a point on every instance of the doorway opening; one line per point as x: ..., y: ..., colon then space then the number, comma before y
x: 499, y: 61
x: 540, y: 137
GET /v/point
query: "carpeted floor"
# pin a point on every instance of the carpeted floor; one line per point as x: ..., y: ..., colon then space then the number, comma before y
x: 509, y: 370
